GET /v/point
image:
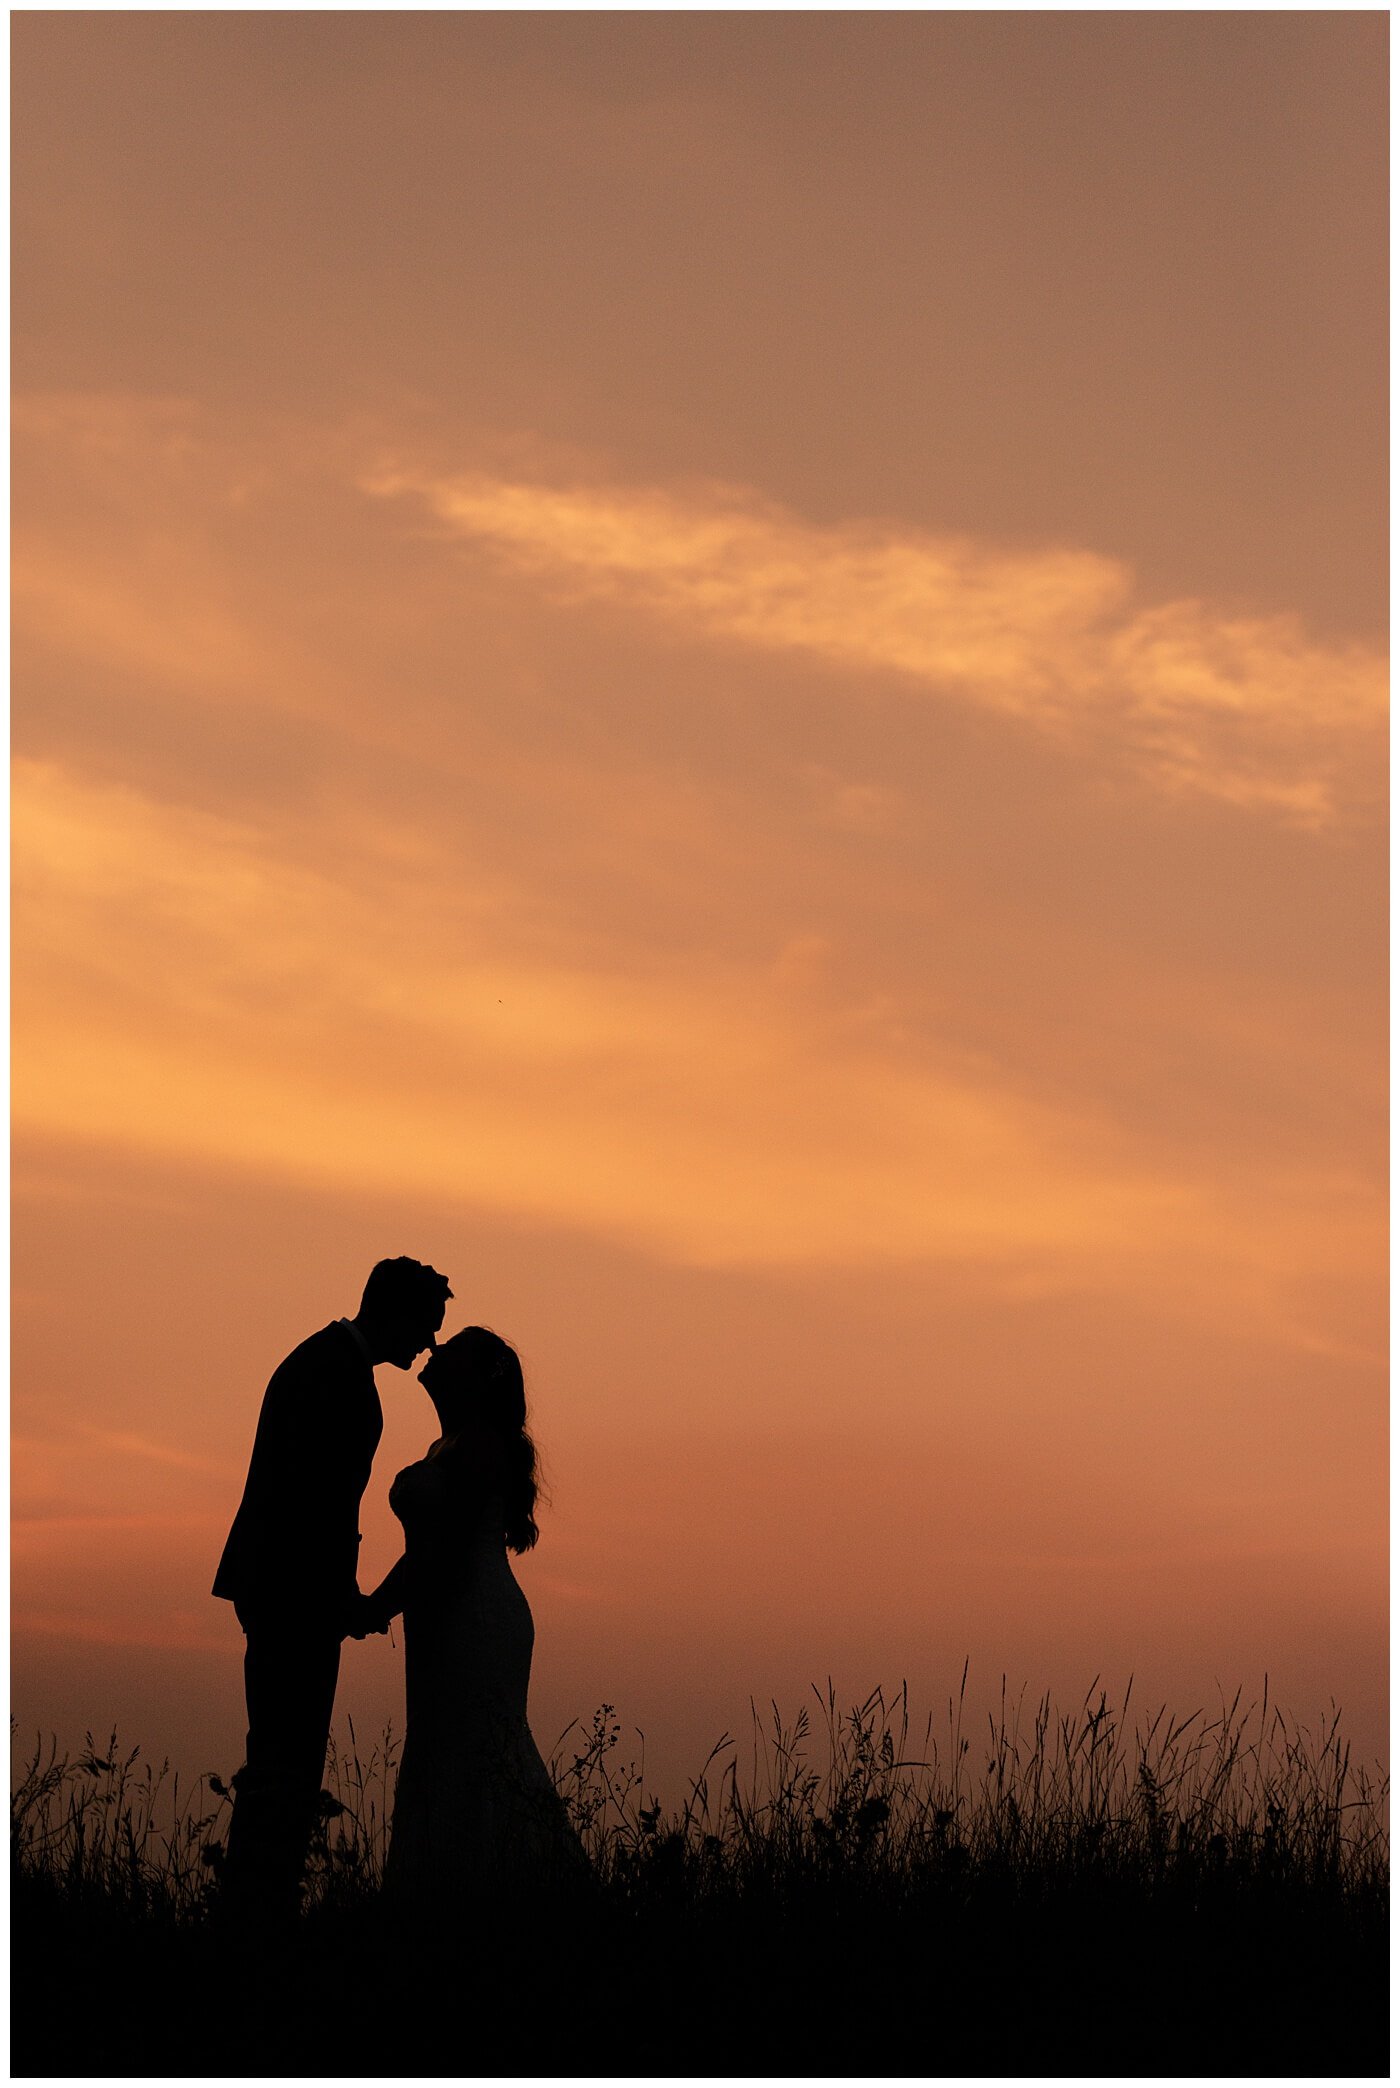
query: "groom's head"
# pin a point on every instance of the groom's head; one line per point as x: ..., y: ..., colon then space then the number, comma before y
x: 402, y: 1309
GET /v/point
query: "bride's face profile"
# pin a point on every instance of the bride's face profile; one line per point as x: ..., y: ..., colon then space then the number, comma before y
x: 445, y: 1371
x: 447, y: 1380
x: 470, y: 1381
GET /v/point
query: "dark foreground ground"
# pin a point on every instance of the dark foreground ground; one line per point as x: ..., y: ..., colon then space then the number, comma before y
x: 1074, y: 1896
x: 969, y: 1979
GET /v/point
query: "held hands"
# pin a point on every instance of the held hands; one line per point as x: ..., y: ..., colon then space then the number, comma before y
x: 376, y: 1612
x: 366, y: 1616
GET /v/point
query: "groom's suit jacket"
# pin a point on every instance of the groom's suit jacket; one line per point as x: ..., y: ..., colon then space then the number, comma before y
x: 292, y: 1551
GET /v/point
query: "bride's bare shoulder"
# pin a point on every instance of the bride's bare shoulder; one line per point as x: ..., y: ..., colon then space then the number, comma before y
x: 415, y: 1484
x: 471, y: 1448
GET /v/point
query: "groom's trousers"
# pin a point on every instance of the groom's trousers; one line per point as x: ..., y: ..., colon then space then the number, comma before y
x: 289, y: 1675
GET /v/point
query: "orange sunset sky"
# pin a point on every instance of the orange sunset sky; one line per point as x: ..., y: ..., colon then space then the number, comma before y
x: 724, y: 672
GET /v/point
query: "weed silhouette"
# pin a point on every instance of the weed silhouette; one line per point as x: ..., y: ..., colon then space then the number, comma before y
x: 1208, y: 1892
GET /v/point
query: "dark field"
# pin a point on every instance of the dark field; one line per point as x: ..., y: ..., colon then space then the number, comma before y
x: 1046, y: 1896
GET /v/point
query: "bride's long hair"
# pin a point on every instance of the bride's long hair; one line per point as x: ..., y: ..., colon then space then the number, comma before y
x: 493, y: 1397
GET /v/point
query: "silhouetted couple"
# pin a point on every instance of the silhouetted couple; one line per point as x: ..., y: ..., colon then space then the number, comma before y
x: 476, y: 1813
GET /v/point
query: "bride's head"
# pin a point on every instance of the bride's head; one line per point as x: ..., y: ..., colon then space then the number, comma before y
x: 475, y: 1382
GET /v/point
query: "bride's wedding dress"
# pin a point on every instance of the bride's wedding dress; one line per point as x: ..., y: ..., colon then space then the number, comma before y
x: 475, y: 1814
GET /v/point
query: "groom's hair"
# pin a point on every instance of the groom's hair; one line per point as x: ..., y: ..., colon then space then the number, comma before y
x: 402, y: 1287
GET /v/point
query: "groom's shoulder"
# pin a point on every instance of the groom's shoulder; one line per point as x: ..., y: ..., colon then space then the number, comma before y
x: 326, y: 1352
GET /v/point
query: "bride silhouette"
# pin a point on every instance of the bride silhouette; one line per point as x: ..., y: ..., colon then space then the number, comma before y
x: 476, y: 1813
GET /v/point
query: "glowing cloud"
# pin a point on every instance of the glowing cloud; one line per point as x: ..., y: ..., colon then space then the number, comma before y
x: 706, y: 1117
x: 1241, y: 708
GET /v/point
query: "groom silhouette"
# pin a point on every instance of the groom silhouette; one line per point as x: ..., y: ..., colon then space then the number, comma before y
x: 289, y: 1568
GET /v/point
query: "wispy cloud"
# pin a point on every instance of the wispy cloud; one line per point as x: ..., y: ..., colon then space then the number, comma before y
x: 1244, y: 708
x: 167, y: 1632
x: 47, y: 1525
x: 469, y: 933
x: 713, y: 1113
x: 144, y: 546
x: 120, y: 1443
x: 79, y: 1476
x: 126, y: 556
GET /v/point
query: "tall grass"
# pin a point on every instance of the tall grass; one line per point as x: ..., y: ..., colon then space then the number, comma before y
x: 1034, y: 1798
x: 104, y: 1826
x: 857, y: 1800
x: 848, y: 1891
